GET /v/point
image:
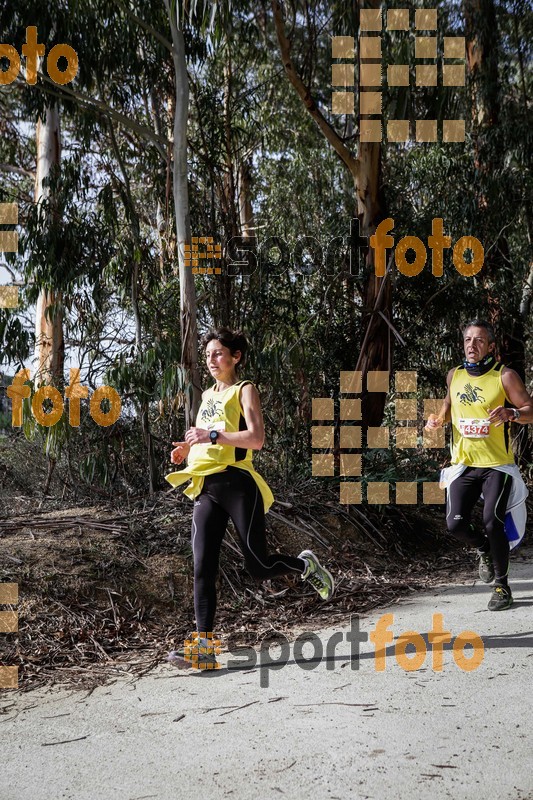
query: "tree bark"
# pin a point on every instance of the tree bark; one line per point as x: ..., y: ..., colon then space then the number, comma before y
x: 376, y: 349
x: 249, y: 235
x: 188, y: 316
x: 246, y: 213
x: 133, y: 218
x: 482, y: 43
x: 49, y: 342
x: 228, y: 201
x: 482, y: 60
x: 375, y: 353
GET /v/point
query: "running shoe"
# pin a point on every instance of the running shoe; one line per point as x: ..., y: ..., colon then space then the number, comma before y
x: 318, y: 576
x: 501, y: 599
x: 196, y: 653
x: 486, y: 567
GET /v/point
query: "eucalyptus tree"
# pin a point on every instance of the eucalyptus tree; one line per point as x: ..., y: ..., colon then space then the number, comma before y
x: 365, y: 171
x: 501, y: 135
x: 127, y: 88
x: 49, y: 340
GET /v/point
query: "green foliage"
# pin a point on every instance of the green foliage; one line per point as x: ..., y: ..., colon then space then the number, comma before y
x: 109, y: 246
x: 53, y: 438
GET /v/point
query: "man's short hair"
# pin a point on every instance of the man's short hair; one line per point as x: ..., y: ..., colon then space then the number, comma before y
x: 481, y: 323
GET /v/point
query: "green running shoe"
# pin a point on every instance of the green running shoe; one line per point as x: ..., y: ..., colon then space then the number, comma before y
x: 318, y: 576
x: 501, y: 599
x: 486, y: 567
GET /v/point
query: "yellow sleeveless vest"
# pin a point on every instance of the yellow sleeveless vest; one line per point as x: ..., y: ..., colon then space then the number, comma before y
x: 475, y: 442
x: 219, y: 411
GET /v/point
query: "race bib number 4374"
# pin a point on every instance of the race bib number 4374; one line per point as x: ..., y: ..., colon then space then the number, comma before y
x: 474, y: 428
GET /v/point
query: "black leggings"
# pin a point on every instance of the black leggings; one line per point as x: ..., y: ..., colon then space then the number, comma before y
x: 463, y: 494
x: 232, y: 493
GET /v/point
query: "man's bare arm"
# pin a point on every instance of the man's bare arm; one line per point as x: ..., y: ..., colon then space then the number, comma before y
x: 518, y: 396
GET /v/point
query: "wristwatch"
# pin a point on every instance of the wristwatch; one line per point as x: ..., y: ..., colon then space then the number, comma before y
x: 213, y: 435
x: 516, y: 414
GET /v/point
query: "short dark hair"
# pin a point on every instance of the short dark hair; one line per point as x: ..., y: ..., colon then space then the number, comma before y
x: 233, y: 340
x: 481, y: 323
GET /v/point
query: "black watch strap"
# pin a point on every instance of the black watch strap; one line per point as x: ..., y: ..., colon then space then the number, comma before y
x: 213, y: 435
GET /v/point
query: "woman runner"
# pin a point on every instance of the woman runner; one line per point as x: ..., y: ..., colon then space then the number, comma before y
x: 224, y: 485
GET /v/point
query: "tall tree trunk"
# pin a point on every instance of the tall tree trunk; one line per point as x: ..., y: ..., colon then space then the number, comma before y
x: 527, y: 290
x: 376, y: 348
x: 228, y: 201
x: 249, y: 236
x: 49, y: 343
x: 246, y: 212
x: 188, y: 316
x: 482, y: 60
x: 133, y: 219
x: 375, y: 353
x: 482, y: 43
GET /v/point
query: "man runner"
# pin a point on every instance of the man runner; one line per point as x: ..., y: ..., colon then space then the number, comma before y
x: 482, y: 456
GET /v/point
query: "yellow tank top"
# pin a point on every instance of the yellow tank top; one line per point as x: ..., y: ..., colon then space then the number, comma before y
x: 475, y: 442
x: 219, y: 411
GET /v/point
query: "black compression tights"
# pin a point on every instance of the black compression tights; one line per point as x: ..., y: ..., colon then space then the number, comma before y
x: 463, y: 494
x: 232, y: 493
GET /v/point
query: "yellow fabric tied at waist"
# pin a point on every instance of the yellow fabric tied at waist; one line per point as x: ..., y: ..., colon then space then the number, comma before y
x: 219, y: 411
x: 197, y: 479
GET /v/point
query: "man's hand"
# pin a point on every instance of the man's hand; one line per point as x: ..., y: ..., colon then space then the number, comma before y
x: 180, y: 452
x: 500, y: 415
x: 197, y: 436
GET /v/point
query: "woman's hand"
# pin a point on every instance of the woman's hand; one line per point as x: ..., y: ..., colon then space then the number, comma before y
x: 197, y: 436
x: 180, y: 452
x: 434, y: 422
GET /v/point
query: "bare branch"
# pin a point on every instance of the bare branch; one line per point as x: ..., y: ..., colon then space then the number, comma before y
x: 91, y: 102
x: 305, y: 94
x: 17, y: 170
x: 148, y: 28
